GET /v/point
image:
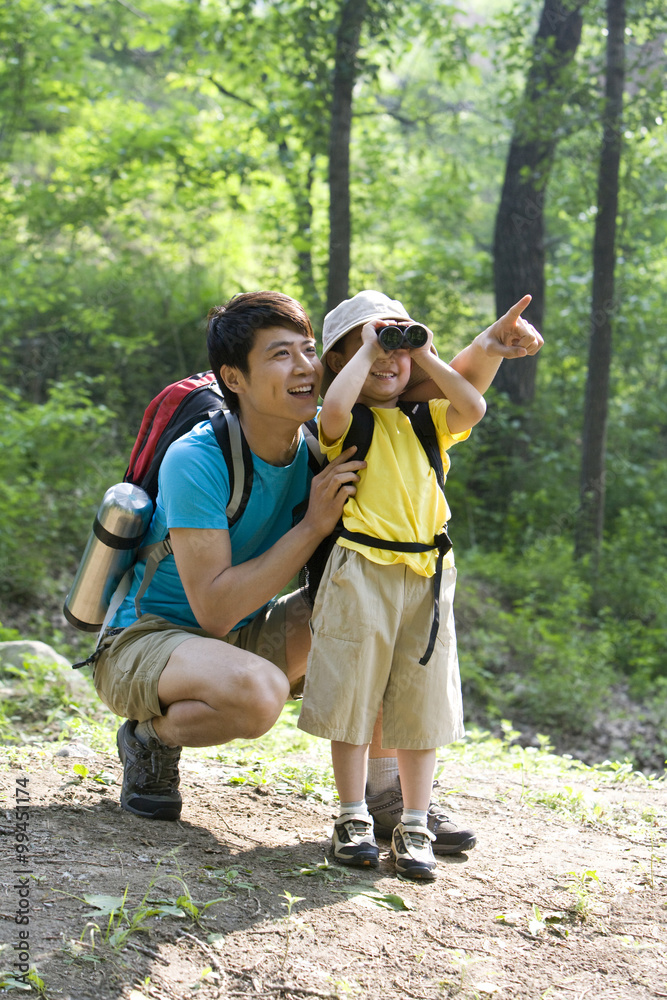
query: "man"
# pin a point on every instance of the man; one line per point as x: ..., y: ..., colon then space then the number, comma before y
x: 213, y: 656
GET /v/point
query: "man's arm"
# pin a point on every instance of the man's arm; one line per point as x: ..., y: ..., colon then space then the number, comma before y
x: 220, y: 594
x: 509, y: 337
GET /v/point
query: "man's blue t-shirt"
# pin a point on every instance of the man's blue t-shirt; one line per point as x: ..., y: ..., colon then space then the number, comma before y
x: 193, y: 492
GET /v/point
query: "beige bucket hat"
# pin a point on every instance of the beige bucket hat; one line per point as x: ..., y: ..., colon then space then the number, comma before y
x: 362, y: 308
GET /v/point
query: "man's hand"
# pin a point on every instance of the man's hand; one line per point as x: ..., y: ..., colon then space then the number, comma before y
x: 511, y: 336
x: 330, y: 489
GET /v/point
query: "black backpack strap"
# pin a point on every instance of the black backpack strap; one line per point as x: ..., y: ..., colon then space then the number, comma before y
x: 360, y: 432
x: 441, y: 542
x: 420, y: 417
x: 238, y: 460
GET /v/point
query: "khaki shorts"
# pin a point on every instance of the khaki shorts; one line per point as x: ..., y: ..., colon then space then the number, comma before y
x: 370, y: 628
x: 128, y: 670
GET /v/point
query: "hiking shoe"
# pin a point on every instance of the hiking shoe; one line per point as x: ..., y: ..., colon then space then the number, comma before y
x: 449, y: 837
x: 150, y: 778
x: 387, y: 808
x: 413, y: 854
x: 353, y: 842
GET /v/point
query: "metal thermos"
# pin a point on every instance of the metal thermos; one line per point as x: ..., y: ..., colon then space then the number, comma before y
x: 121, y: 523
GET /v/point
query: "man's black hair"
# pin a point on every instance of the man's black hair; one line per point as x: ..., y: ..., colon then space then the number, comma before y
x: 231, y: 330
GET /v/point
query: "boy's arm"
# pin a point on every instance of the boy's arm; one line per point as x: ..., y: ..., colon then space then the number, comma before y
x: 467, y: 405
x: 511, y: 336
x: 344, y: 391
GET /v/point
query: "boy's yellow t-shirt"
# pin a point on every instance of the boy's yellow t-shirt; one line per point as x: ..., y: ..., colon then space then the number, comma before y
x: 398, y: 497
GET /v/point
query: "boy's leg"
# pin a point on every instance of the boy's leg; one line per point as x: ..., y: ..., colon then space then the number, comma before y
x: 384, y: 799
x: 353, y: 842
x: 411, y: 838
x: 349, y: 767
x: 416, y: 768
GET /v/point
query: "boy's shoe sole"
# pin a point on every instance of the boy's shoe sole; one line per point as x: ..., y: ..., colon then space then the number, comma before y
x: 150, y: 776
x: 413, y: 853
x: 353, y: 842
x: 387, y: 808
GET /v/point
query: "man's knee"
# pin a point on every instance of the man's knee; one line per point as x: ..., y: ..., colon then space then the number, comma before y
x: 262, y: 696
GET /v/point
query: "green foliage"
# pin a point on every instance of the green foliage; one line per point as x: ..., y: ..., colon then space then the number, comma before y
x: 52, y: 463
x: 155, y: 160
x: 527, y: 648
x: 41, y: 700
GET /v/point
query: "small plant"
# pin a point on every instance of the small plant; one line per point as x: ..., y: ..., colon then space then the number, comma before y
x: 324, y: 870
x: 344, y: 988
x: 101, y: 777
x: 30, y: 981
x: 579, y: 884
x: 464, y: 962
x: 184, y: 904
x: 647, y: 875
x: 122, y: 922
x: 365, y: 894
x: 570, y: 803
x: 536, y: 923
x: 290, y: 903
x: 82, y: 951
x: 232, y: 878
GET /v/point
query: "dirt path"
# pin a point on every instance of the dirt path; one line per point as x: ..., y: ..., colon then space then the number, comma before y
x: 507, y: 921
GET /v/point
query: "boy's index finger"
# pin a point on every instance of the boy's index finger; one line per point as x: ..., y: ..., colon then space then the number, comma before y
x: 515, y: 311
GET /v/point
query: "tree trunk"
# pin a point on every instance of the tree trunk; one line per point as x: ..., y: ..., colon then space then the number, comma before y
x: 519, y: 234
x: 353, y: 13
x: 590, y: 522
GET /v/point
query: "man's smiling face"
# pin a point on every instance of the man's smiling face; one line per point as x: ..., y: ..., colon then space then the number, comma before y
x: 284, y: 375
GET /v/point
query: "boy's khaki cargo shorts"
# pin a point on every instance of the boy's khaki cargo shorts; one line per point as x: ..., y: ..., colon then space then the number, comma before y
x: 370, y: 628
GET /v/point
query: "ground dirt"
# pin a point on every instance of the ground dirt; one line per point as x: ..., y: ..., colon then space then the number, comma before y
x: 515, y: 918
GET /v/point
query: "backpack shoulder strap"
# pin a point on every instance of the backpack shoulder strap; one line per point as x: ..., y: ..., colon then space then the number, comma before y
x: 420, y: 417
x: 238, y: 460
x: 360, y: 432
x: 316, y: 460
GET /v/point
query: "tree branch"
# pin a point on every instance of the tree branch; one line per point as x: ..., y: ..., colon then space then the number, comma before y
x: 234, y: 97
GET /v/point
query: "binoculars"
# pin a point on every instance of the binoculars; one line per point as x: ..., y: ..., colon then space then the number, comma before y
x: 394, y: 337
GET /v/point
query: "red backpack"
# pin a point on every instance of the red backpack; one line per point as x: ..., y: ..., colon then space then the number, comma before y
x: 104, y: 574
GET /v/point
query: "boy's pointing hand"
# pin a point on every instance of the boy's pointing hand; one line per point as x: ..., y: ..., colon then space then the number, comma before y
x: 512, y: 336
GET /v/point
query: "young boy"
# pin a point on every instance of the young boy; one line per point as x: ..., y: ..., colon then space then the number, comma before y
x: 376, y: 638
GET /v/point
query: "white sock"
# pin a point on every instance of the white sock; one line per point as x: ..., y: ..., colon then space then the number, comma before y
x: 414, y: 817
x: 382, y: 774
x: 353, y: 809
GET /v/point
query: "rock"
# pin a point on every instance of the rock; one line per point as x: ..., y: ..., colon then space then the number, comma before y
x: 14, y: 654
x: 75, y: 750
x: 21, y: 651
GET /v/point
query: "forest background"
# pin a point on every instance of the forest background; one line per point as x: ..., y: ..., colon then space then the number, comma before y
x: 158, y: 157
